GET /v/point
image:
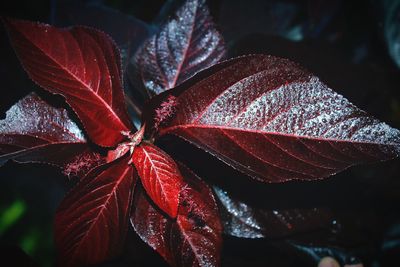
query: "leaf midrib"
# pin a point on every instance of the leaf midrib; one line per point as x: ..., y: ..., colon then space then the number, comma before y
x: 173, y: 129
x: 103, y: 207
x: 108, y: 107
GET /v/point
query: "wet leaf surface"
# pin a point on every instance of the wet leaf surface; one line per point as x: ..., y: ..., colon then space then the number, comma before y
x: 184, y: 45
x: 34, y: 131
x: 274, y: 121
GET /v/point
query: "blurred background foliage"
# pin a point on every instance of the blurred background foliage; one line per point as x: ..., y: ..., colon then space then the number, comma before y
x: 354, y: 46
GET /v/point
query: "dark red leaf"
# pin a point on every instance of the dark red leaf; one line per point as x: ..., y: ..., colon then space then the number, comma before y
x: 81, y: 64
x: 242, y: 220
x: 194, y: 238
x: 273, y: 120
x: 160, y: 176
x: 92, y: 220
x: 185, y: 45
x: 34, y: 131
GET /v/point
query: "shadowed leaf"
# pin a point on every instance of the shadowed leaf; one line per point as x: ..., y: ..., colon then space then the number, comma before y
x: 242, y: 220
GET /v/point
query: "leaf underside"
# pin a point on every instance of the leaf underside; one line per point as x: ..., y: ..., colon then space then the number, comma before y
x: 244, y: 221
x: 274, y: 121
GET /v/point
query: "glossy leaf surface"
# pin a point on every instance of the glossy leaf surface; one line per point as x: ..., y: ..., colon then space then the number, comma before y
x: 242, y: 220
x: 160, y: 176
x: 92, y: 220
x: 34, y: 131
x: 274, y: 121
x: 194, y: 238
x: 81, y: 64
x: 185, y: 44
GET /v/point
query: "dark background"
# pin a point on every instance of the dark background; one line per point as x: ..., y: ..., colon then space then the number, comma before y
x: 350, y: 45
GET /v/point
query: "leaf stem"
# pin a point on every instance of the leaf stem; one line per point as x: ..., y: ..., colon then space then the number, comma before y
x: 132, y: 103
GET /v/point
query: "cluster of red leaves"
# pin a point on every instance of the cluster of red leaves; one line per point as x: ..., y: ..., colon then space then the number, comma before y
x: 265, y: 116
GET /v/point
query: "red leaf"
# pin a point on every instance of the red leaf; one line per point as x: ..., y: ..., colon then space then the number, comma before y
x: 123, y: 148
x: 91, y: 222
x: 194, y: 238
x: 81, y: 64
x: 34, y: 131
x: 274, y: 121
x: 185, y: 45
x: 160, y: 176
x: 242, y: 220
